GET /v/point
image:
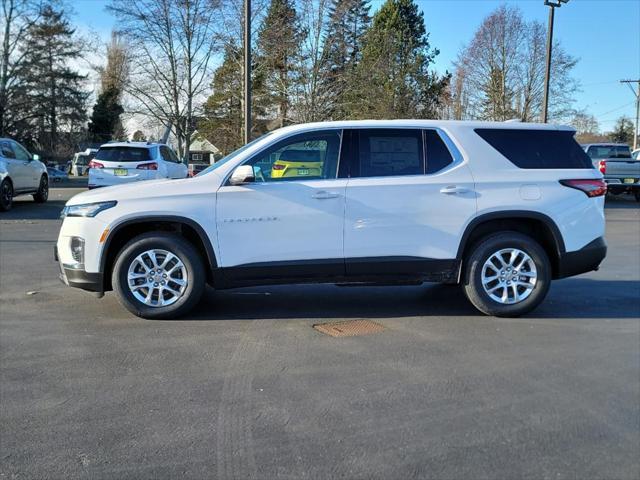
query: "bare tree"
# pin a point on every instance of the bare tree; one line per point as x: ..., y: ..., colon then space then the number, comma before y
x: 500, y: 74
x: 171, y: 48
x: 16, y: 18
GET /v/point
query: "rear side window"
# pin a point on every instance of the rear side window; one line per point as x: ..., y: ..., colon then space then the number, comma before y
x: 392, y: 152
x: 123, y: 154
x: 536, y: 149
x: 438, y: 155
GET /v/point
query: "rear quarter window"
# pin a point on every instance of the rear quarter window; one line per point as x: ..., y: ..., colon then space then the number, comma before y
x: 537, y: 149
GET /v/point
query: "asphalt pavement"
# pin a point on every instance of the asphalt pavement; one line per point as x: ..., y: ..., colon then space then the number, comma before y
x: 246, y: 388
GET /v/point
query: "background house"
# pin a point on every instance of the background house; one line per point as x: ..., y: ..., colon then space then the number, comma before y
x: 202, y: 150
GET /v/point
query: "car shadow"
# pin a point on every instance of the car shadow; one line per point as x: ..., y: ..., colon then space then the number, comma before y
x: 621, y: 201
x: 570, y: 298
x: 24, y: 208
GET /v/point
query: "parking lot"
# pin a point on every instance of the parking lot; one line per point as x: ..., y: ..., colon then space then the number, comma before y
x: 246, y: 388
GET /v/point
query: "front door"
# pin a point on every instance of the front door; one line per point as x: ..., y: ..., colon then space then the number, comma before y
x: 405, y: 215
x: 285, y: 225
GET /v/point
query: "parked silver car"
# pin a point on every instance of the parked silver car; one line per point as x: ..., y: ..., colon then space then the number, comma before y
x: 20, y: 174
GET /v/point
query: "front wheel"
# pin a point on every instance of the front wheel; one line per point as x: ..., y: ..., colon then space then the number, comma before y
x: 159, y: 275
x: 507, y: 274
x: 42, y: 194
x: 6, y: 195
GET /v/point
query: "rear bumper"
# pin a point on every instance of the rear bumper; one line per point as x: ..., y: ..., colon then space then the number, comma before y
x: 586, y: 259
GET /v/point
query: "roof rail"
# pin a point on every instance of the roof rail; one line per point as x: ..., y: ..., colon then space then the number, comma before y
x: 513, y: 120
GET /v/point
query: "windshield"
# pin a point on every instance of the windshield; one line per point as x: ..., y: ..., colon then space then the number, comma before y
x: 232, y: 155
x: 609, y: 151
x: 123, y: 154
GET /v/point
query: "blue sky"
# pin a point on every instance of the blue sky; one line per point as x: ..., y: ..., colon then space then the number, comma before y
x: 603, y: 34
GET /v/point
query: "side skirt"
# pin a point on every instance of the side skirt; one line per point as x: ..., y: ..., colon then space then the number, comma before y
x: 351, y: 271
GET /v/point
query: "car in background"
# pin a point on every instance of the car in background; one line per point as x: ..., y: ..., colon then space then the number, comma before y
x: 56, y: 175
x: 20, y: 174
x: 127, y: 162
x: 298, y: 163
x: 615, y: 161
x: 79, y: 164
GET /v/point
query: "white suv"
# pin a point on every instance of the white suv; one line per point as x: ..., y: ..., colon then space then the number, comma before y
x: 500, y: 208
x: 126, y: 162
x: 20, y: 174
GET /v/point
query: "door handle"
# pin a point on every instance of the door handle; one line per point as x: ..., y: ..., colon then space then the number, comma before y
x: 324, y: 195
x: 453, y: 189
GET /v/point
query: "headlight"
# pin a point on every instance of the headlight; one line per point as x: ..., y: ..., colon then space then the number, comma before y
x: 86, y: 210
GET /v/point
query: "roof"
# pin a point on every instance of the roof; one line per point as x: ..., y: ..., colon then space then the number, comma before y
x: 131, y: 144
x: 425, y: 123
x: 605, y: 144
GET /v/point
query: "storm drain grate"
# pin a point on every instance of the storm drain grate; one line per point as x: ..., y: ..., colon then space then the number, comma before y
x: 350, y: 328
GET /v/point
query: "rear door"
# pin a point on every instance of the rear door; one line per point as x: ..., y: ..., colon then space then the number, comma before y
x: 288, y: 227
x: 409, y: 197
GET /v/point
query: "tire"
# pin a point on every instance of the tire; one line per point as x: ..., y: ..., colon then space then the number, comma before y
x: 535, y: 273
x: 42, y: 194
x: 131, y: 257
x: 6, y: 195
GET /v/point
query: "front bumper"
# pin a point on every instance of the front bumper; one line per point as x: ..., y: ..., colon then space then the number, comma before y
x: 74, y: 277
x: 586, y: 259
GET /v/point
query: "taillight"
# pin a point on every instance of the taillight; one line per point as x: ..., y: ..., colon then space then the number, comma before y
x: 148, y: 166
x: 591, y: 187
x: 602, y: 166
x: 275, y: 166
x: 94, y: 164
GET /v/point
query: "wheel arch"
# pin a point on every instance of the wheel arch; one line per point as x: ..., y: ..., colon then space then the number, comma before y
x: 125, y: 231
x: 534, y: 224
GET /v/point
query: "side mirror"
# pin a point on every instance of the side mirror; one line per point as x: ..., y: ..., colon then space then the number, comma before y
x: 36, y: 157
x: 242, y: 174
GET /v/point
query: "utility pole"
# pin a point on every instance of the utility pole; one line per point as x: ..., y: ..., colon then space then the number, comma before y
x: 247, y: 71
x: 637, y: 94
x: 552, y: 4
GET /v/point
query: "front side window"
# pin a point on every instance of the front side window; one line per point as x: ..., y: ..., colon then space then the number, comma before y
x: 21, y: 153
x: 389, y: 152
x: 123, y: 154
x: 7, y: 151
x: 307, y: 156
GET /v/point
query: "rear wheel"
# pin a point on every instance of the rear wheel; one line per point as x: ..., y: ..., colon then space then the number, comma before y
x: 6, y: 195
x: 507, y: 274
x: 42, y: 194
x: 159, y: 275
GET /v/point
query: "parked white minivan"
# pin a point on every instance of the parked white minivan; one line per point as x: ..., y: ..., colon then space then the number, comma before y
x: 125, y: 162
x: 499, y: 208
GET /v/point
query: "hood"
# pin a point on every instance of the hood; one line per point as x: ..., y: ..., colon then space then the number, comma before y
x: 134, y: 190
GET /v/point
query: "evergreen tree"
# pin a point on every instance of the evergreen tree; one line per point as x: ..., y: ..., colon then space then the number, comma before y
x: 53, y: 89
x: 223, y: 122
x: 105, y: 122
x: 279, y: 41
x: 623, y: 131
x: 348, y: 22
x: 393, y: 79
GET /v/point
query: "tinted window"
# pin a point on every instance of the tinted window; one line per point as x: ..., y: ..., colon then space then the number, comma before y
x: 123, y: 154
x: 438, y: 155
x: 383, y: 153
x: 306, y: 156
x: 608, y: 151
x: 537, y: 148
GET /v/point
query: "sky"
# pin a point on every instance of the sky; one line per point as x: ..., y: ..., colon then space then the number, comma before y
x: 603, y: 34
